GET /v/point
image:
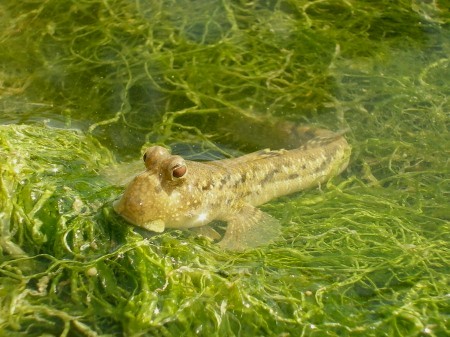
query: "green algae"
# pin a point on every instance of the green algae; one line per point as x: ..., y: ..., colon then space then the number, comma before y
x: 365, y: 255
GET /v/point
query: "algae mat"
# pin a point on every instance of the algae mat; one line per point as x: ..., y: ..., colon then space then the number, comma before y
x: 84, y: 84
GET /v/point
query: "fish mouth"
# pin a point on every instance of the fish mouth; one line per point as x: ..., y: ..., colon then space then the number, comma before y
x: 116, y: 206
x: 119, y: 210
x: 157, y: 225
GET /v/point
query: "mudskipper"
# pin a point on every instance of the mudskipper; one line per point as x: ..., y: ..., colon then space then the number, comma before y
x: 177, y: 193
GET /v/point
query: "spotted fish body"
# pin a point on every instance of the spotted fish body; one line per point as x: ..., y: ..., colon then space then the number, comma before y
x: 177, y: 193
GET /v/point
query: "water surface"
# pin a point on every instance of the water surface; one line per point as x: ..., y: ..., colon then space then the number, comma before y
x: 365, y: 255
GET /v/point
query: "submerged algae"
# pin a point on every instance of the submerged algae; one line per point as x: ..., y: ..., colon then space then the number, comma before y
x: 49, y: 181
x: 358, y: 257
x: 365, y: 255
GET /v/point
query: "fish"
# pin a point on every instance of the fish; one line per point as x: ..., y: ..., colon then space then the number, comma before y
x: 176, y: 193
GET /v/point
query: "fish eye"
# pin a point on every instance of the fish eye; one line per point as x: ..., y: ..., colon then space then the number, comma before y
x: 179, y: 171
x: 176, y: 168
x: 153, y: 155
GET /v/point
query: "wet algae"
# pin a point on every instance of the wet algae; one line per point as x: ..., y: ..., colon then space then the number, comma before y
x: 86, y: 83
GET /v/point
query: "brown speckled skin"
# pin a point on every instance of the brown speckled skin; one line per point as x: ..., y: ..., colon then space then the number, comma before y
x: 174, y: 193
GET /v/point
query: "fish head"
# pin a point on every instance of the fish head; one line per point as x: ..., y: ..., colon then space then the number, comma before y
x: 154, y: 199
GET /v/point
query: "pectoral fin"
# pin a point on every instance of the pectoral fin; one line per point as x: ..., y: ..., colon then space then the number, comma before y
x: 249, y: 228
x: 207, y: 231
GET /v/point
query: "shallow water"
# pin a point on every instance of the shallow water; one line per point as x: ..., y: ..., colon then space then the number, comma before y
x: 365, y: 255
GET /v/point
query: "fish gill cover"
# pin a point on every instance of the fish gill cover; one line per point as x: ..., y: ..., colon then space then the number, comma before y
x: 365, y: 255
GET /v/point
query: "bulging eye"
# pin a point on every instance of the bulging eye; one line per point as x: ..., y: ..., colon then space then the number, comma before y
x: 154, y: 155
x: 179, y: 171
x: 176, y: 168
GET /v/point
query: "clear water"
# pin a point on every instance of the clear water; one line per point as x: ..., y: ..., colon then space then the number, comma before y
x: 366, y: 255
